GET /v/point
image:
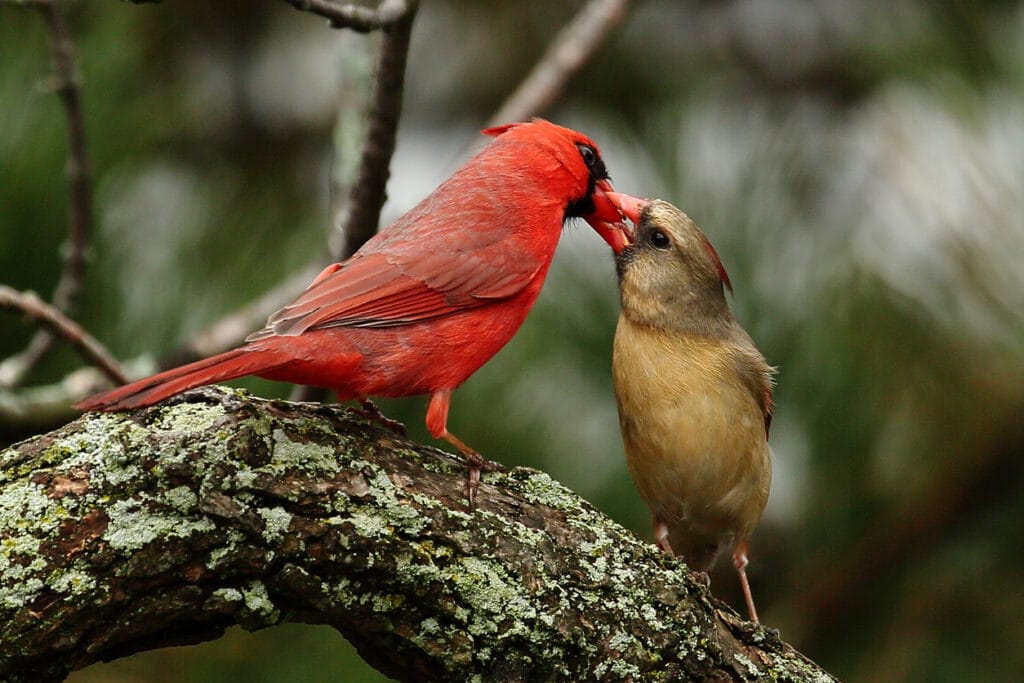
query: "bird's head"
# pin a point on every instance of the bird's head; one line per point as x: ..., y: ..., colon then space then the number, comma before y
x: 669, y: 270
x: 583, y: 172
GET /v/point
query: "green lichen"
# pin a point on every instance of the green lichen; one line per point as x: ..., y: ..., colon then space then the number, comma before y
x: 276, y: 521
x: 181, y: 498
x: 540, y: 489
x: 71, y: 582
x: 750, y: 666
x: 258, y: 602
x: 216, y: 555
x: 288, y: 455
x: 27, y: 517
x: 132, y: 525
x: 243, y: 478
x: 189, y: 418
x: 229, y: 594
x: 617, y: 669
x: 23, y: 505
x: 20, y: 593
x: 387, y: 603
x: 485, y: 585
x: 795, y: 668
x: 367, y: 524
x: 398, y: 513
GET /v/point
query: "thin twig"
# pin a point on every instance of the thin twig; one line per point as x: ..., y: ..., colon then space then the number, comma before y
x: 69, y: 284
x: 83, y: 342
x: 355, y: 87
x: 369, y: 192
x: 357, y: 17
x: 571, y: 49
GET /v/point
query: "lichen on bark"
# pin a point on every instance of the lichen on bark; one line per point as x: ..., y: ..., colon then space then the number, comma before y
x: 122, y: 532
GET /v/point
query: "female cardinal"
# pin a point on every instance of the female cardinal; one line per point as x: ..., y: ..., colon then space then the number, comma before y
x: 694, y: 394
x: 427, y: 301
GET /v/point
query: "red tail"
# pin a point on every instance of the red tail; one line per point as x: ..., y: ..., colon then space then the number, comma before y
x: 224, y: 366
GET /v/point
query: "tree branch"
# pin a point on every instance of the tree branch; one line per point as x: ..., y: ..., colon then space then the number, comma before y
x: 69, y: 285
x: 358, y: 17
x: 568, y: 53
x: 369, y: 192
x: 83, y: 342
x: 126, y: 532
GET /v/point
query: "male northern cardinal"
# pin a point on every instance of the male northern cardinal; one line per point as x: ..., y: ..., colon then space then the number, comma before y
x: 427, y: 301
x: 694, y: 393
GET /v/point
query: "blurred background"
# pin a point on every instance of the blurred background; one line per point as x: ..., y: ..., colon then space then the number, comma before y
x: 858, y: 164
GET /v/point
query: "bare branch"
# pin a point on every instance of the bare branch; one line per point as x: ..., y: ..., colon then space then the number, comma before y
x: 355, y: 87
x: 69, y: 285
x: 369, y: 192
x: 358, y: 17
x: 567, y: 54
x: 83, y: 342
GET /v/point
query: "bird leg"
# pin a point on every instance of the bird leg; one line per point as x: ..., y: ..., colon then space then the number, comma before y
x: 437, y: 420
x: 739, y: 560
x: 661, y: 535
x: 369, y: 410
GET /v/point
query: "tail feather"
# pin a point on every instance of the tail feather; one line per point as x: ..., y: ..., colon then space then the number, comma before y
x: 219, y: 368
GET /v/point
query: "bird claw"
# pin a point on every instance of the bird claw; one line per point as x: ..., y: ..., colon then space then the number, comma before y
x: 476, y: 464
x: 368, y: 409
x: 701, y: 578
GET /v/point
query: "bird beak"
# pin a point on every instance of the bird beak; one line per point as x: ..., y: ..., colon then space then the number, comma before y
x: 616, y: 233
x: 627, y: 205
x: 606, y: 219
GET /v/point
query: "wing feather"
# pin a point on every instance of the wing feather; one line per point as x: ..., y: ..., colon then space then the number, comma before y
x: 385, y: 289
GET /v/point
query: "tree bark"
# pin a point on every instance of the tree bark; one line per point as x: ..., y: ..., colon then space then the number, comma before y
x: 163, y: 526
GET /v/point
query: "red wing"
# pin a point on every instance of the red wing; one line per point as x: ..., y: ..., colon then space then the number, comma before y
x: 383, y: 290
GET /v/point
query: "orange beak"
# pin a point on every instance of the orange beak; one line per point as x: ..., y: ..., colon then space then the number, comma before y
x: 606, y: 218
x: 612, y: 207
x: 627, y: 205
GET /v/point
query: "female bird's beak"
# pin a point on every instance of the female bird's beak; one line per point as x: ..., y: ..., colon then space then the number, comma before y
x: 606, y: 218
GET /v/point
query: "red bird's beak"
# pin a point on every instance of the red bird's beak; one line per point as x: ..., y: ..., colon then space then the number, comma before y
x: 627, y: 205
x: 606, y: 218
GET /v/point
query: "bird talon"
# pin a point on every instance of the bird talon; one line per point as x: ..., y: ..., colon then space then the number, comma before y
x: 368, y: 409
x: 476, y: 464
x: 701, y: 577
x: 472, y: 486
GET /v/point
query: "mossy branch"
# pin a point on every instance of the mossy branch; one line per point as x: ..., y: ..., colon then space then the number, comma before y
x: 163, y: 526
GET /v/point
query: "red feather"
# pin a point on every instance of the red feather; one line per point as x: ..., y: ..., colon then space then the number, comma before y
x: 718, y: 264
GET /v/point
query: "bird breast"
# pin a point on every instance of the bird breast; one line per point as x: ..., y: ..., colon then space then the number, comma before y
x: 693, y: 432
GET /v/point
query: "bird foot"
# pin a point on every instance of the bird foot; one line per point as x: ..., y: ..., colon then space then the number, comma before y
x: 369, y: 410
x: 477, y: 464
x: 701, y: 577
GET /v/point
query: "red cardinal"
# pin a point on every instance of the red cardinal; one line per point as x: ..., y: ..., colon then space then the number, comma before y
x: 427, y: 301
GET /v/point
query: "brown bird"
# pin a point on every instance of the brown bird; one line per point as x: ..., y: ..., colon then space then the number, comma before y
x: 693, y: 392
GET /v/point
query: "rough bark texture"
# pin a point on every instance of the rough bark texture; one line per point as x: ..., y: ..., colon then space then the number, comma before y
x: 125, y: 532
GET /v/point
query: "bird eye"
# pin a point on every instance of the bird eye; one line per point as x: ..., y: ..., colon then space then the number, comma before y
x: 588, y: 154
x: 659, y: 240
